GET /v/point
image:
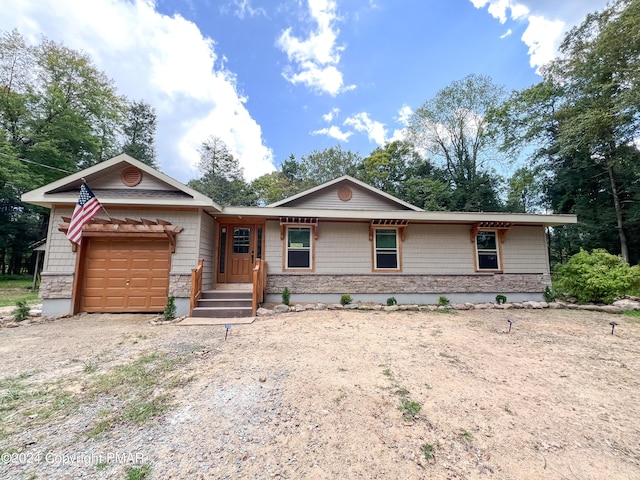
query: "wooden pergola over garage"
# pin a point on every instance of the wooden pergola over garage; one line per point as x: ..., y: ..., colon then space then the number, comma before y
x: 123, y: 265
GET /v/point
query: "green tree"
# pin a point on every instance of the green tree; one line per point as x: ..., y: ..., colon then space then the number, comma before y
x: 454, y: 130
x: 583, y: 119
x: 525, y: 192
x: 77, y: 110
x: 386, y: 167
x: 322, y: 166
x: 58, y: 114
x: 139, y: 131
x: 222, y: 177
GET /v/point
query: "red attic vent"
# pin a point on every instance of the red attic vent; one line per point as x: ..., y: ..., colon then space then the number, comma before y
x: 131, y: 176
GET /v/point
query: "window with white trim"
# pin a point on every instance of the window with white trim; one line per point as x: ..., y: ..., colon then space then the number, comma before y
x: 487, y: 250
x: 299, y: 248
x: 386, y: 249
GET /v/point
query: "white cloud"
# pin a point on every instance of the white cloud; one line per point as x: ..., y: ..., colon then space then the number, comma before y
x: 333, y: 132
x: 242, y: 8
x: 404, y: 114
x: 164, y: 60
x: 506, y: 34
x: 315, y: 59
x: 328, y: 117
x: 543, y: 37
x: 362, y: 123
x: 547, y: 22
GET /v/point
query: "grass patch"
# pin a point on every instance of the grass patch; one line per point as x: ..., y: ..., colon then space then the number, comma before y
x: 24, y: 405
x: 16, y: 288
x: 409, y: 409
x: 446, y: 311
x: 138, y: 473
x: 634, y: 314
x: 428, y: 451
x: 135, y: 392
x: 401, y: 391
x: 140, y: 388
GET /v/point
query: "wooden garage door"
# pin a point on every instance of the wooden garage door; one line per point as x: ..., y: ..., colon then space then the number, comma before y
x: 125, y: 275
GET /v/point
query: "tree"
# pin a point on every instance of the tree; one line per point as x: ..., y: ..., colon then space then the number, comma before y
x: 222, y: 178
x: 77, y: 110
x: 139, y: 131
x: 58, y: 114
x: 583, y: 119
x: 525, y: 190
x: 325, y: 165
x: 453, y: 129
x: 386, y: 167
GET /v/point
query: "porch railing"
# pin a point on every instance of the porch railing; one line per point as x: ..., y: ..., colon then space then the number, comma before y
x: 259, y: 284
x: 196, y: 285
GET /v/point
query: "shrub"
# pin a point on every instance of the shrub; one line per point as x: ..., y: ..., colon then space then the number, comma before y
x: 548, y: 295
x: 595, y: 277
x: 170, y: 309
x: 345, y: 299
x: 501, y: 299
x: 286, y: 296
x: 21, y: 312
x: 443, y: 301
x: 391, y: 301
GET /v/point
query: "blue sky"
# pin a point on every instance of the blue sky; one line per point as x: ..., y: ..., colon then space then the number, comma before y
x: 273, y: 78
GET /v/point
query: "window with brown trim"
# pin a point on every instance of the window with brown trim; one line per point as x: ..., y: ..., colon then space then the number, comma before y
x: 488, y: 250
x: 299, y: 244
x: 386, y: 249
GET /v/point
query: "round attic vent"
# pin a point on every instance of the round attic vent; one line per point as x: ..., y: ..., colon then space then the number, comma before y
x: 131, y: 176
x: 344, y: 193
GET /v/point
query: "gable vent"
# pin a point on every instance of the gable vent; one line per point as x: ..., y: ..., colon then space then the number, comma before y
x: 131, y: 176
x: 345, y: 193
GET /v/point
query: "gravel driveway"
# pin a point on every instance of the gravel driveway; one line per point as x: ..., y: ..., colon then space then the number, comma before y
x: 326, y: 394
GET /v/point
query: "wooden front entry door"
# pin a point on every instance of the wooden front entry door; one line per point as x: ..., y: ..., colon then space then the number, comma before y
x: 241, y: 250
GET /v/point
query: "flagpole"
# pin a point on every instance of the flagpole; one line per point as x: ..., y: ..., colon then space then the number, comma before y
x: 101, y: 204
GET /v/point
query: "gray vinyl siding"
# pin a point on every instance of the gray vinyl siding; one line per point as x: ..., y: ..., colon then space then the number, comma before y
x: 343, y: 248
x: 273, y: 247
x: 360, y: 200
x: 207, y: 249
x: 440, y: 249
x: 60, y: 258
x: 428, y: 249
x: 525, y: 250
x: 113, y: 181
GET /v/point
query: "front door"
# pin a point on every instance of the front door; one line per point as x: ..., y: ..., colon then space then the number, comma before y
x: 241, y: 253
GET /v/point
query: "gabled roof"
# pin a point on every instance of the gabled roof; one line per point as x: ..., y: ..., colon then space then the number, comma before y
x: 345, y: 179
x: 157, y: 190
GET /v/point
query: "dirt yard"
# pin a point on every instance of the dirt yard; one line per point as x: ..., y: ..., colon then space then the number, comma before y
x: 324, y: 395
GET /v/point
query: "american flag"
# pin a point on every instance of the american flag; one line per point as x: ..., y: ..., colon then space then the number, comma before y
x: 86, y: 208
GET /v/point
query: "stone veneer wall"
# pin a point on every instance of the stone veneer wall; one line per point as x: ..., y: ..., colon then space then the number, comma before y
x: 385, y: 284
x: 56, y: 285
x: 180, y: 285
x: 59, y: 285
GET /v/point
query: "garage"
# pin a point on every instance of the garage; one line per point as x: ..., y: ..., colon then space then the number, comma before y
x: 125, y: 275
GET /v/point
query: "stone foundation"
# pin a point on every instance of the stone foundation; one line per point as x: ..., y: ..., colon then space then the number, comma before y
x: 180, y: 285
x: 56, y: 285
x: 408, y: 284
